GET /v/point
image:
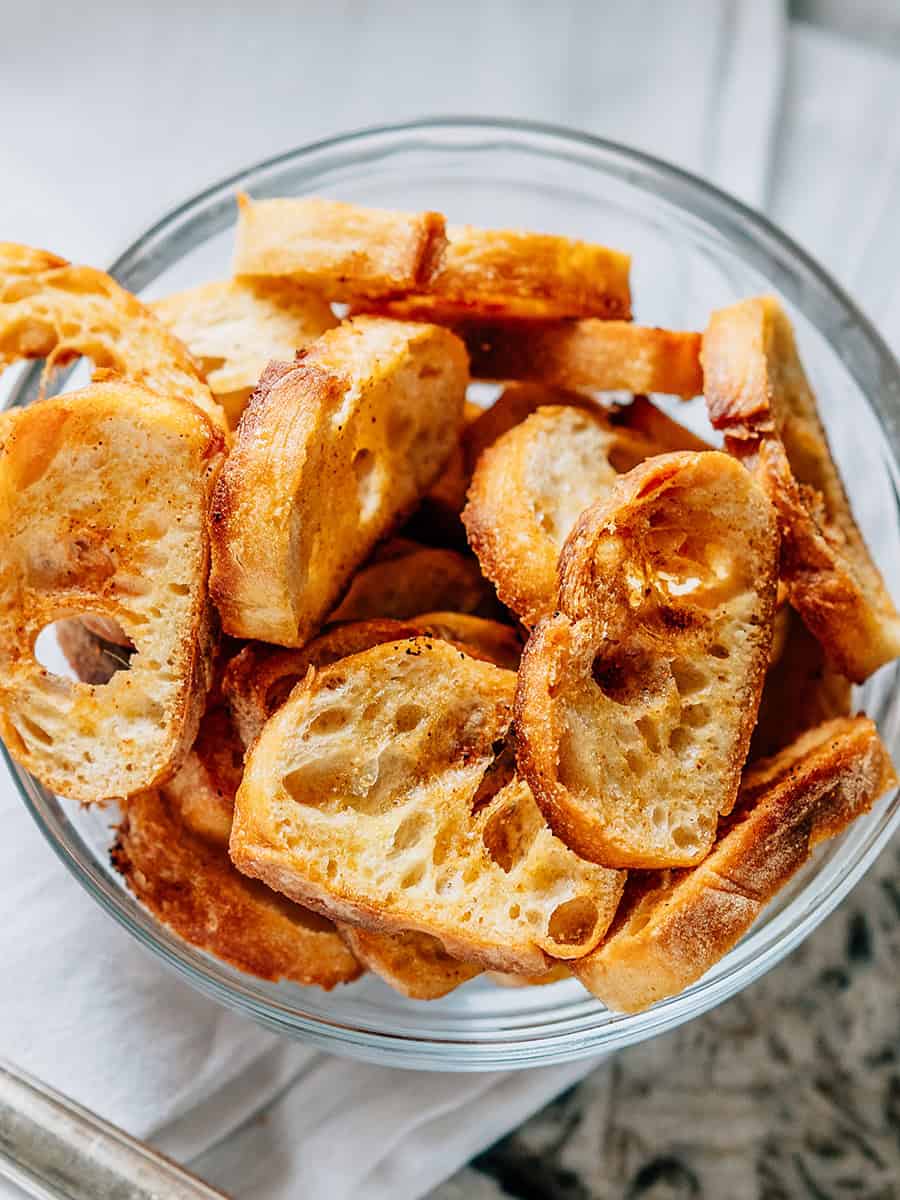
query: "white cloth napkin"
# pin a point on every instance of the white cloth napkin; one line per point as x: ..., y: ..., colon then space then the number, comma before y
x: 120, y: 113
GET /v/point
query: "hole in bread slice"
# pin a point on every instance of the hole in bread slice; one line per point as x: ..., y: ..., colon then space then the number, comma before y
x: 93, y: 645
x: 573, y: 922
x: 510, y: 830
x: 112, y: 527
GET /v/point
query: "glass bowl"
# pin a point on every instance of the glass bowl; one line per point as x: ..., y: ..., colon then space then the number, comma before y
x: 694, y: 249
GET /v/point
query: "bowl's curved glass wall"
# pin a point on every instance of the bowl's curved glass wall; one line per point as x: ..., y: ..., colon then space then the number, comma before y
x: 694, y: 250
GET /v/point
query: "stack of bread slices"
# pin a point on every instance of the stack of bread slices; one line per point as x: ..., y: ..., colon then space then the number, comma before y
x: 384, y: 680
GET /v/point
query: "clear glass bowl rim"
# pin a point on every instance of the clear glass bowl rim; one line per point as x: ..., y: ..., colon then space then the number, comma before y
x: 580, y: 1035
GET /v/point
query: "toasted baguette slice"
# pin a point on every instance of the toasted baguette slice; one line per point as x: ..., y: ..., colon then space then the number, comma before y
x: 642, y: 416
x: 379, y: 794
x: 405, y: 585
x: 54, y: 310
x: 414, y: 964
x: 342, y: 251
x: 553, y: 974
x: 350, y: 253
x: 636, y: 701
x: 758, y: 394
x: 331, y: 453
x: 93, y: 659
x: 674, y: 925
x: 589, y: 355
x: 513, y: 274
x: 482, y: 638
x: 103, y: 502
x: 528, y: 490
x: 802, y: 690
x: 259, y: 679
x: 173, y: 851
x: 235, y: 327
x: 189, y: 883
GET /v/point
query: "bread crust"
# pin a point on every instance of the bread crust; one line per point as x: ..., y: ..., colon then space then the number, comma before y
x: 480, y: 637
x: 414, y: 964
x: 426, y: 578
x: 587, y: 355
x: 259, y: 679
x: 636, y: 700
x: 758, y: 394
x: 187, y: 881
x: 103, y: 502
x: 527, y: 491
x: 331, y: 453
x: 315, y: 819
x: 234, y: 327
x: 422, y: 270
x: 52, y: 309
x: 342, y: 251
x: 673, y: 926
